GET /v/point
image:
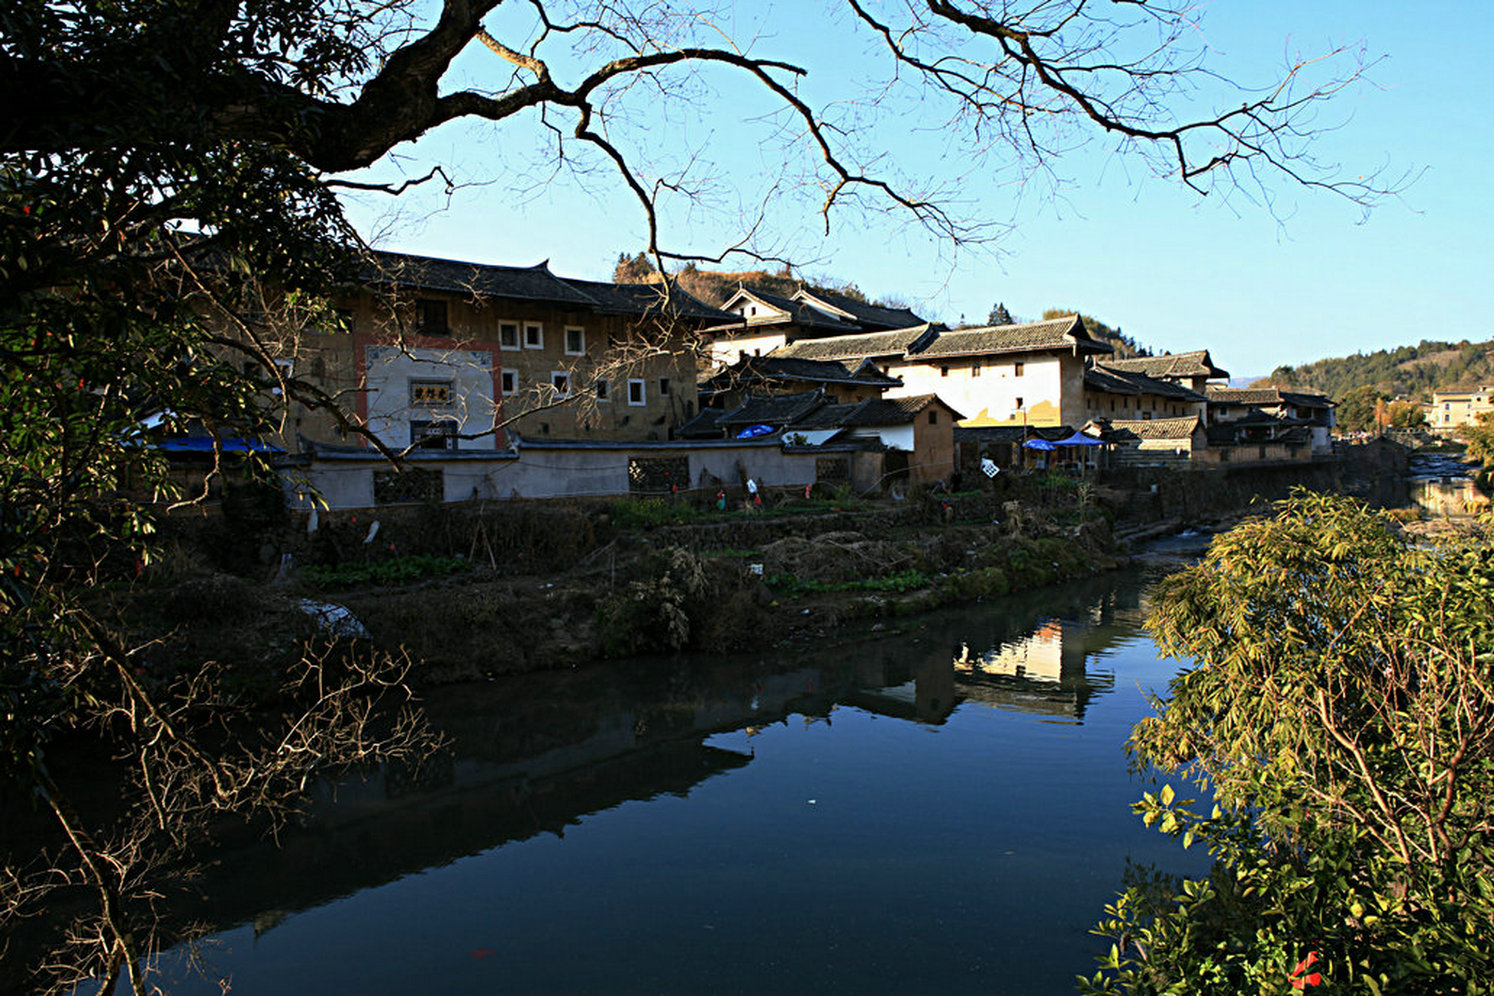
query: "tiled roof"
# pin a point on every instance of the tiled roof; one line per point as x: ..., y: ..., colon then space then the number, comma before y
x: 1012, y: 433
x: 702, y: 426
x: 1303, y: 399
x: 527, y: 283
x: 1267, y: 396
x: 1152, y: 428
x: 1194, y: 364
x: 777, y: 410
x: 755, y: 369
x: 1059, y: 333
x: 649, y: 299
x: 1099, y: 379
x: 858, y: 347
x: 800, y: 312
x: 869, y: 316
x: 871, y: 412
x: 537, y: 283
x: 1104, y: 377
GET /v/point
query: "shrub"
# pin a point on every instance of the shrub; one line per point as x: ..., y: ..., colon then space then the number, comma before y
x: 1341, y: 715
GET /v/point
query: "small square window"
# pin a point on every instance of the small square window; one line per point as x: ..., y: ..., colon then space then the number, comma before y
x: 664, y: 387
x: 440, y: 434
x: 637, y: 393
x: 534, y: 336
x: 575, y: 342
x: 604, y: 391
x: 430, y: 317
x: 1019, y: 402
x: 944, y: 371
x: 1016, y: 369
x: 508, y: 335
x: 508, y: 382
x: 975, y: 370
x: 933, y: 416
x: 561, y: 381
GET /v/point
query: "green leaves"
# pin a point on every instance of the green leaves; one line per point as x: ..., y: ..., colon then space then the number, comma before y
x: 1342, y: 710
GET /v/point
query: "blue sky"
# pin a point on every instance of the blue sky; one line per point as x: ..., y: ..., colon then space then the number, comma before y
x: 1258, y: 286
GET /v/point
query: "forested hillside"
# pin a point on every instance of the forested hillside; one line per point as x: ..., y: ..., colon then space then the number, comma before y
x: 1412, y: 371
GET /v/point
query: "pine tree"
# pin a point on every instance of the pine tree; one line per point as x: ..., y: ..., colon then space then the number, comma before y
x: 999, y: 315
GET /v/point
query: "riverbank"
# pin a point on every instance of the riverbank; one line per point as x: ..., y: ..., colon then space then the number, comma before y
x: 475, y: 591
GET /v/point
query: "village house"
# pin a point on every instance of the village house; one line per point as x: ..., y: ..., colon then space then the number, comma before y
x: 1005, y: 375
x: 915, y: 435
x: 1120, y: 395
x: 447, y: 355
x: 1255, y: 415
x: 1192, y: 370
x: 768, y: 321
x: 1457, y: 407
x: 730, y: 385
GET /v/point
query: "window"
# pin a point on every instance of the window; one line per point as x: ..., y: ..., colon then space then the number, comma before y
x: 658, y: 475
x: 944, y: 371
x: 575, y: 342
x: 395, y: 486
x: 436, y: 434
x: 508, y: 382
x: 637, y: 395
x: 933, y: 416
x: 664, y: 386
x: 430, y: 317
x: 604, y: 391
x: 430, y: 393
x: 1016, y: 369
x: 508, y: 335
x: 534, y: 336
x: 561, y: 381
x: 1019, y: 402
x: 975, y: 370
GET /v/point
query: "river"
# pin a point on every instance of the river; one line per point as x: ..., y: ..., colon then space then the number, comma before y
x: 941, y: 810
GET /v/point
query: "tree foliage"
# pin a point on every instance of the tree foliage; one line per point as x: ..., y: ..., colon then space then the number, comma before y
x: 1336, y: 736
x: 1414, y: 371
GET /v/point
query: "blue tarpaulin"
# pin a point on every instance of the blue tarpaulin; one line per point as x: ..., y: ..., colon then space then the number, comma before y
x: 753, y: 431
x: 1039, y: 444
x: 202, y: 444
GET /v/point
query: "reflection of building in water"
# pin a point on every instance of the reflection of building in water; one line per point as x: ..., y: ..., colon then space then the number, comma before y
x: 1043, y: 672
x: 1037, y: 656
x: 928, y: 696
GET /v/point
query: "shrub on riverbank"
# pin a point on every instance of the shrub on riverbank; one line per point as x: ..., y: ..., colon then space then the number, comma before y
x: 1341, y: 716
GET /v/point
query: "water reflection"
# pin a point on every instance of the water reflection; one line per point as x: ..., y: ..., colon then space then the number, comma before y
x: 533, y: 758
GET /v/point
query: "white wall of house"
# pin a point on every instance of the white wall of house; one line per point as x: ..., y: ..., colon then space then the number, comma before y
x: 727, y: 351
x: 897, y: 437
x: 537, y: 471
x: 991, y: 396
x: 393, y: 375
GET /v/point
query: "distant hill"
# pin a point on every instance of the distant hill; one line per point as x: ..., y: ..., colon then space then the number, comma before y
x: 1410, y: 371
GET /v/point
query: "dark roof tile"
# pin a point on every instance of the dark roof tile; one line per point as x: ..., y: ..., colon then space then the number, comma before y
x: 1058, y: 333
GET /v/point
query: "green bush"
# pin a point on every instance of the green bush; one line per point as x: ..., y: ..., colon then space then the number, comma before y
x: 397, y: 570
x: 793, y: 585
x: 1337, y: 732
